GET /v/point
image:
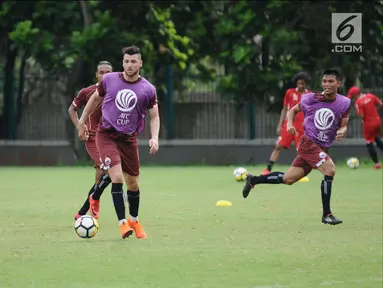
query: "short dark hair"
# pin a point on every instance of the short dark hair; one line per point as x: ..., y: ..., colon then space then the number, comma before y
x: 131, y: 50
x: 332, y: 71
x: 302, y: 76
x: 104, y: 63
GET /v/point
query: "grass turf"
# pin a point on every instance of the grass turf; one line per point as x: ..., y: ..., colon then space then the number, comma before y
x: 274, y: 238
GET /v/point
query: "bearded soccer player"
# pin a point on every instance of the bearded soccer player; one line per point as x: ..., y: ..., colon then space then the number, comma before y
x: 326, y: 117
x: 292, y: 98
x: 127, y: 98
x: 101, y: 178
x: 367, y: 105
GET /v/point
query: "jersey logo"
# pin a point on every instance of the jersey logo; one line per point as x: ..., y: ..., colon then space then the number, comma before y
x: 324, y: 118
x: 295, y: 97
x: 126, y: 100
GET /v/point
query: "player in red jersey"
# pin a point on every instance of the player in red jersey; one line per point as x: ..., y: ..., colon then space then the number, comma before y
x: 102, y: 180
x: 292, y: 97
x: 367, y: 105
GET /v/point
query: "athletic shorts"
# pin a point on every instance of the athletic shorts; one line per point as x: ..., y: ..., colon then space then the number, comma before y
x: 310, y: 155
x: 116, y: 148
x: 371, y: 131
x: 91, y: 148
x: 285, y: 138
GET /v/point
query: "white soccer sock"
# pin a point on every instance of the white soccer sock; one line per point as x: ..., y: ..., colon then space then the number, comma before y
x: 122, y: 221
x: 134, y: 219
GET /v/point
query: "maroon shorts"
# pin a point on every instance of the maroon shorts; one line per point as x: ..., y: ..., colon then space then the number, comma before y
x: 371, y: 131
x: 116, y: 148
x: 91, y: 147
x: 310, y: 155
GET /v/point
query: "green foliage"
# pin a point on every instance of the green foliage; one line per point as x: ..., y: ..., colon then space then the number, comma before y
x: 261, y: 44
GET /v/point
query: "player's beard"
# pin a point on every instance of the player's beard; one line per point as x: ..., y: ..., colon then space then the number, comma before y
x: 132, y: 73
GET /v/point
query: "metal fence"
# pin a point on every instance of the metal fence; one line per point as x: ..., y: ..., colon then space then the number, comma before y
x: 205, y: 115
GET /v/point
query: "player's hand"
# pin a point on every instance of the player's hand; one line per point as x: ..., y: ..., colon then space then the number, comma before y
x: 153, y: 144
x: 83, y: 132
x: 340, y: 134
x: 291, y: 130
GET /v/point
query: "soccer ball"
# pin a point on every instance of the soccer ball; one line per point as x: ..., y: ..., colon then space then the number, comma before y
x: 86, y: 226
x: 353, y: 163
x: 240, y: 174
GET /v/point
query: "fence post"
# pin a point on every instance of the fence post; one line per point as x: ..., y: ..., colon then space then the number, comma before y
x: 251, y: 119
x: 10, y: 106
x: 170, y: 118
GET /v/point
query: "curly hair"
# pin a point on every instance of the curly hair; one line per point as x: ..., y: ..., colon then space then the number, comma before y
x: 302, y: 76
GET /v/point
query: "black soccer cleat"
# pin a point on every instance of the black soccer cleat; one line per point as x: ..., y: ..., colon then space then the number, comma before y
x: 248, y: 186
x: 331, y: 219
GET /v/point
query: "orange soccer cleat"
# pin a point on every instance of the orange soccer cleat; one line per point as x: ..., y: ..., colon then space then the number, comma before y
x: 136, y: 226
x: 125, y: 230
x: 265, y: 172
x: 77, y: 216
x: 94, y: 207
x: 378, y: 166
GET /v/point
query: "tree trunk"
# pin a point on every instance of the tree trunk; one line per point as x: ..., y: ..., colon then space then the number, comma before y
x: 8, y: 117
x: 73, y: 82
x: 20, y: 90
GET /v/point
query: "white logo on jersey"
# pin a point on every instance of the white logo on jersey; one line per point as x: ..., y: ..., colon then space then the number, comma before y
x: 295, y: 97
x: 324, y: 118
x: 126, y: 100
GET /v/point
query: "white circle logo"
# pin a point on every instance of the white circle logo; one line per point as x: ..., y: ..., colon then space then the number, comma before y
x: 322, y: 155
x: 324, y: 118
x: 126, y: 100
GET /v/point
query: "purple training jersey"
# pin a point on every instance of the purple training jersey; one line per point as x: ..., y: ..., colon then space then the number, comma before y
x: 125, y: 103
x: 323, y: 116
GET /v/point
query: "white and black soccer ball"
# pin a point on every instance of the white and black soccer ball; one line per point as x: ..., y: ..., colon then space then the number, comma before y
x: 240, y: 174
x: 353, y: 162
x: 86, y: 226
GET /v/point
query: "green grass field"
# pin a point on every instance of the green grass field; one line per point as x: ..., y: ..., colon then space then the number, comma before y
x: 274, y: 238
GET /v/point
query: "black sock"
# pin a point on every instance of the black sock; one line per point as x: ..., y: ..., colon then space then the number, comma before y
x: 379, y: 143
x: 272, y: 178
x: 326, y: 194
x: 372, y: 151
x: 270, y: 165
x: 104, y: 182
x: 134, y: 202
x: 118, y: 200
x: 85, y: 206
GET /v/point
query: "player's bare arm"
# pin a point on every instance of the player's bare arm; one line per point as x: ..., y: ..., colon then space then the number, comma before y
x: 72, y: 111
x: 90, y: 107
x: 342, y: 128
x: 281, y: 119
x: 154, y: 129
x: 290, y: 118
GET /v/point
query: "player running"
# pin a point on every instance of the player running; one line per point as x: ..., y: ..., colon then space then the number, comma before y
x: 326, y: 117
x: 292, y: 98
x: 367, y: 105
x: 102, y: 180
x: 127, y: 99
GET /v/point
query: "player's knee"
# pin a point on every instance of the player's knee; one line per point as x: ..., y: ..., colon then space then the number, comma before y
x: 330, y: 171
x: 288, y: 180
x: 116, y: 177
x: 132, y: 183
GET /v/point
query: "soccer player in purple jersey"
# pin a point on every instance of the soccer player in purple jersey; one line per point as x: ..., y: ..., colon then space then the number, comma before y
x: 326, y: 117
x: 128, y: 97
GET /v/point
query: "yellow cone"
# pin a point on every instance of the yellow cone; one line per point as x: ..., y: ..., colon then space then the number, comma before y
x: 304, y: 179
x: 223, y: 203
